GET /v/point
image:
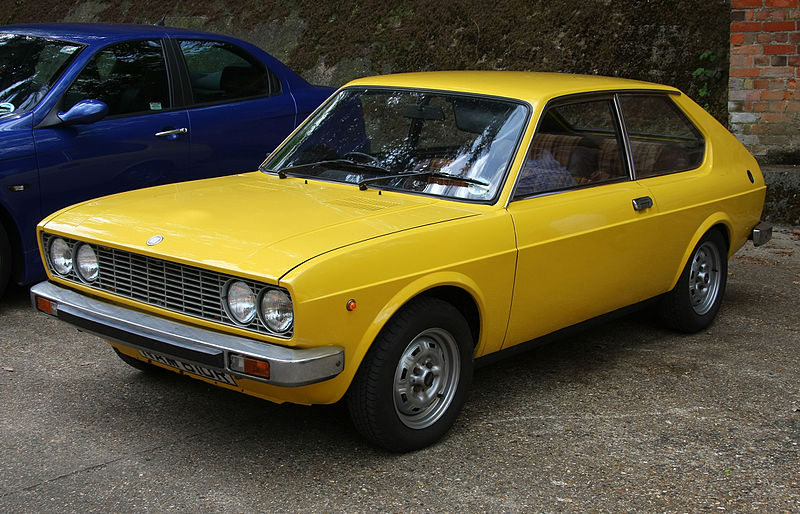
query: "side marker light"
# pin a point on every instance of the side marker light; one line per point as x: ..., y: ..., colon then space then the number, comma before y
x: 45, y: 305
x: 249, y: 365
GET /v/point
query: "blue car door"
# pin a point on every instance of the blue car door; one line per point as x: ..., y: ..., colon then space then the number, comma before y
x: 143, y: 141
x: 239, y: 110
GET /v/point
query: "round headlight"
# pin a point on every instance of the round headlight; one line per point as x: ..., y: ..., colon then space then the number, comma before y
x: 241, y: 302
x: 86, y: 263
x: 277, y: 311
x: 61, y: 256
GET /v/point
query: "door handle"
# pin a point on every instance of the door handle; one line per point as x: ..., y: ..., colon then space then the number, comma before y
x: 642, y: 203
x: 173, y: 132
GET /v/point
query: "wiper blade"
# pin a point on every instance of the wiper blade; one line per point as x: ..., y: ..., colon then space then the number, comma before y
x: 435, y: 174
x: 288, y: 171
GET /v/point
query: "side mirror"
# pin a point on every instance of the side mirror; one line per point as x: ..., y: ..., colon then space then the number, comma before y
x: 83, y: 112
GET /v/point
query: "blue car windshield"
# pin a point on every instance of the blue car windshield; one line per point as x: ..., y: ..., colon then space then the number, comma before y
x: 426, y: 142
x: 29, y: 66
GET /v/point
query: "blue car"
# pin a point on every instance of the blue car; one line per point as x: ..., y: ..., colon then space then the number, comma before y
x: 88, y: 110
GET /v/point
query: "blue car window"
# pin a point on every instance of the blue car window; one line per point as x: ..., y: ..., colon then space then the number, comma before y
x: 220, y: 72
x: 29, y: 66
x: 131, y: 77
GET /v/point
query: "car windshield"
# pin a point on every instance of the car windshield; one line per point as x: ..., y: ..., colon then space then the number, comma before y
x: 29, y: 66
x: 451, y: 145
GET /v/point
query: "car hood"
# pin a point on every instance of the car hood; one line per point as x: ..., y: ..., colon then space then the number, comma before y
x: 252, y: 224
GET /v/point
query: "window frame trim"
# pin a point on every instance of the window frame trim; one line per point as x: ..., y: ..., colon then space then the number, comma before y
x: 627, y: 157
x: 588, y: 96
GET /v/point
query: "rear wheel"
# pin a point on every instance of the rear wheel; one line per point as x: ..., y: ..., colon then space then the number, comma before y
x: 413, y: 382
x: 695, y: 300
x: 5, y: 260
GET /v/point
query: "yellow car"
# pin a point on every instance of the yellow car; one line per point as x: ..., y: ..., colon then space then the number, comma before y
x: 414, y: 224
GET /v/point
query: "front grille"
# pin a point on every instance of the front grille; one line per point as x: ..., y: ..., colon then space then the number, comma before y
x: 176, y: 287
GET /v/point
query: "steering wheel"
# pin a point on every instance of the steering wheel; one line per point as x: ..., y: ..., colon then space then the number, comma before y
x: 363, y: 157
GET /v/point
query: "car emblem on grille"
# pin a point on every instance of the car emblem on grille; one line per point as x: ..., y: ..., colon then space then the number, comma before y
x: 154, y: 240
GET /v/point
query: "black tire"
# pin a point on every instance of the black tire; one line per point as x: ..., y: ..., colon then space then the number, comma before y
x: 136, y: 363
x: 5, y: 260
x: 695, y: 300
x: 414, y: 380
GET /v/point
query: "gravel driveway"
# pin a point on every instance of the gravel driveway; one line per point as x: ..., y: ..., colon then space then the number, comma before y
x: 624, y: 417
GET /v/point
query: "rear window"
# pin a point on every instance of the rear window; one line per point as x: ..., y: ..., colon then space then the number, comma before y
x: 663, y: 139
x: 221, y: 72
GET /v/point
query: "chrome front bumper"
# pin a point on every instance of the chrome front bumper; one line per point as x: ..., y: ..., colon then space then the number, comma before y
x: 288, y: 367
x: 761, y: 233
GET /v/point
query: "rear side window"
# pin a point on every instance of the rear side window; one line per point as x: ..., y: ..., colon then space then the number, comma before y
x: 576, y: 144
x: 222, y: 72
x: 131, y: 77
x: 663, y: 140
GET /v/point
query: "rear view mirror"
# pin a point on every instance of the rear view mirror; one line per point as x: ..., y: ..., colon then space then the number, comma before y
x: 476, y: 116
x: 84, y: 112
x: 423, y: 112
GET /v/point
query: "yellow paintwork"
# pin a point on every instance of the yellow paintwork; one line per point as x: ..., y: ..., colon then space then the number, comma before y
x: 531, y: 266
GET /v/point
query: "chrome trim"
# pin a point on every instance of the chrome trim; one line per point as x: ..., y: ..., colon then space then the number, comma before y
x: 173, y: 132
x: 761, y: 233
x: 623, y: 134
x: 642, y: 203
x: 289, y: 367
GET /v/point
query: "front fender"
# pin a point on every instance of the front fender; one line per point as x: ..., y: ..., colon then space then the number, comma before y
x: 418, y: 288
x: 476, y: 255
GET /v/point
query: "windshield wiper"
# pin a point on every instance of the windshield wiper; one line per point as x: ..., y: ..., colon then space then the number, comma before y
x: 435, y: 174
x: 289, y: 170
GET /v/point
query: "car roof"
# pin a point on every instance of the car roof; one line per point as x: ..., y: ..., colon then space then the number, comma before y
x: 101, y: 33
x: 532, y: 87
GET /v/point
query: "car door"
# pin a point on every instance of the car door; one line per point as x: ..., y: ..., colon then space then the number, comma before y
x: 667, y: 151
x: 143, y: 141
x: 587, y: 236
x: 238, y: 108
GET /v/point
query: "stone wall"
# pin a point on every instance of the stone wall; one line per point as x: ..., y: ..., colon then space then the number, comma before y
x: 764, y: 98
x: 330, y: 42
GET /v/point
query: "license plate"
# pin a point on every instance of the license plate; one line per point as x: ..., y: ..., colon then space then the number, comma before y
x: 193, y: 369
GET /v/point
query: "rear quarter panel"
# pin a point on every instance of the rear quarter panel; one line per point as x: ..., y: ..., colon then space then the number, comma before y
x: 718, y: 193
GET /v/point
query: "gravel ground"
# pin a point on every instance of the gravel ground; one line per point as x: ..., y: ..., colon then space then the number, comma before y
x: 623, y: 417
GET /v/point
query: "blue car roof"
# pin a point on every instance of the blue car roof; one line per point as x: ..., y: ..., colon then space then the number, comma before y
x: 102, y: 33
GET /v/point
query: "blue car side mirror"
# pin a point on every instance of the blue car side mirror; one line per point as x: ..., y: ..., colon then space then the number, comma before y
x: 85, y: 111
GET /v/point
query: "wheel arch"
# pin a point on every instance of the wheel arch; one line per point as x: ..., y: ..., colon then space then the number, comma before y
x: 461, y: 300
x: 719, y: 222
x: 454, y: 288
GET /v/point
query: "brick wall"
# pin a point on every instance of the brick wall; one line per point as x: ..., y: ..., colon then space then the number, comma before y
x: 764, y: 98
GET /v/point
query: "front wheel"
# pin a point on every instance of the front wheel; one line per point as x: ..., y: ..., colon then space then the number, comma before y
x: 695, y: 300
x: 413, y: 382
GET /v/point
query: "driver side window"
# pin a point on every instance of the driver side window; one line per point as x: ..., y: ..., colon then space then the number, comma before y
x: 576, y: 144
x: 131, y: 77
